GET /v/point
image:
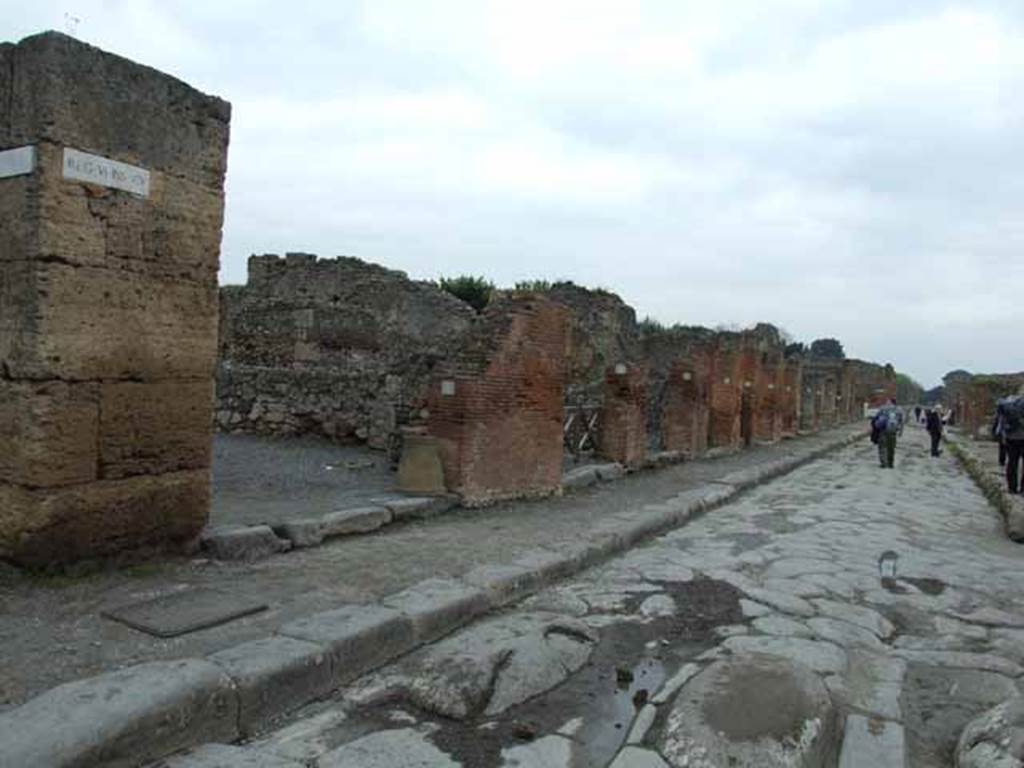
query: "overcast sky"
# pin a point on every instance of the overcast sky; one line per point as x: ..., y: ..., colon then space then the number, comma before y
x: 848, y: 168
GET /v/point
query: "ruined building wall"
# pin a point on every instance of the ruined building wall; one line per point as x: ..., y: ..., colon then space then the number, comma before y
x: 977, y: 397
x: 496, y: 406
x: 108, y: 302
x: 623, y: 432
x: 602, y: 333
x: 335, y: 347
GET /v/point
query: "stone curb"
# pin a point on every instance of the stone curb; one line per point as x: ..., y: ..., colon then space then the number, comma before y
x: 1009, y: 508
x: 254, y: 542
x: 151, y: 710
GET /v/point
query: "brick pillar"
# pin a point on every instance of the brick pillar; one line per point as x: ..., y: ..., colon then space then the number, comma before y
x: 685, y: 413
x: 496, y: 407
x: 111, y: 204
x: 724, y: 400
x: 768, y: 401
x: 792, y: 388
x: 623, y: 431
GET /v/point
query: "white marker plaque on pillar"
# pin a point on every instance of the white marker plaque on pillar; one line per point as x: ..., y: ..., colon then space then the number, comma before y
x: 81, y: 166
x: 18, y: 161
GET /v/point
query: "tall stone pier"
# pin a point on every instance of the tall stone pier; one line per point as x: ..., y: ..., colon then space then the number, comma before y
x: 111, y: 206
x: 496, y: 406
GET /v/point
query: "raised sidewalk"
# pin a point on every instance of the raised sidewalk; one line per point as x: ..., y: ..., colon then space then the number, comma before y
x: 335, y: 612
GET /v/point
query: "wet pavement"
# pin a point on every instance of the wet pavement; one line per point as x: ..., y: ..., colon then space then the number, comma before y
x: 895, y: 588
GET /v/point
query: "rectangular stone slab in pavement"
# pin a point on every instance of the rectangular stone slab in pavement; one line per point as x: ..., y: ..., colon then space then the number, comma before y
x: 184, y: 612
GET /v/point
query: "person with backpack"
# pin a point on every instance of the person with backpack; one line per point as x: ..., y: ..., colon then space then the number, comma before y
x: 997, y: 430
x: 887, y: 425
x: 1011, y: 411
x: 933, y: 423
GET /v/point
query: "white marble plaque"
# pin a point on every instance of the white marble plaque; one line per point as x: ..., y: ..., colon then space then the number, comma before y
x: 447, y: 388
x: 18, y: 161
x: 81, y: 166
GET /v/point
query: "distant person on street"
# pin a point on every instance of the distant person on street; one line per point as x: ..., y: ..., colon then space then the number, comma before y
x: 998, y: 428
x: 887, y: 424
x: 917, y: 413
x: 933, y: 423
x: 1011, y: 409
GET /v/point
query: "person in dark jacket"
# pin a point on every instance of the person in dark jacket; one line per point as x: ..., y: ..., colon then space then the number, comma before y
x: 997, y: 435
x: 1013, y: 437
x: 933, y: 423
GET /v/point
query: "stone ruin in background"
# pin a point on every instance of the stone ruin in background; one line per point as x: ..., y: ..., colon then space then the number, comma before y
x: 972, y: 398
x: 111, y: 204
x: 350, y: 350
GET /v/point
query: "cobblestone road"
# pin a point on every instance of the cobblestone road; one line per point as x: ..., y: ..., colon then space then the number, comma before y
x: 897, y: 588
x: 52, y: 630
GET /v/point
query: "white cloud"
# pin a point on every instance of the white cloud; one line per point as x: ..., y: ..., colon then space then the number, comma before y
x: 715, y: 162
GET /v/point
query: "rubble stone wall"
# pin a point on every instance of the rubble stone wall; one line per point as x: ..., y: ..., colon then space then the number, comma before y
x: 335, y: 347
x: 108, y: 303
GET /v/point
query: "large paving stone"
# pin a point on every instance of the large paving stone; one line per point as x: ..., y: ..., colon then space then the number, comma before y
x: 274, y: 675
x: 402, y: 748
x: 634, y: 757
x: 994, y: 739
x: 820, y: 656
x: 752, y: 711
x: 358, y: 638
x: 493, y: 665
x: 548, y: 752
x: 872, y: 743
x: 225, y: 756
x: 122, y: 718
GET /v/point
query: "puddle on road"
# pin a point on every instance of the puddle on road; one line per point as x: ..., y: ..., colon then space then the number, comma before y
x: 627, y: 667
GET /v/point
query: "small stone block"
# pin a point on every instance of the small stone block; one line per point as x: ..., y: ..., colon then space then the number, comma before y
x: 127, y: 717
x: 359, y: 520
x: 503, y: 584
x: 437, y: 606
x: 242, y: 542
x: 608, y: 472
x: 417, y: 507
x: 301, y: 533
x: 273, y: 676
x: 358, y: 637
x: 581, y: 477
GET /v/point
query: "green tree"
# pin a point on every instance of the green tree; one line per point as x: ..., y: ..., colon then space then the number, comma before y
x: 475, y: 291
x: 828, y: 348
x: 908, y: 391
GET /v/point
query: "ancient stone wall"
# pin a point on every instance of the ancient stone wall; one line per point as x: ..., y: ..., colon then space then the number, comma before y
x: 602, y: 334
x: 108, y: 302
x: 335, y: 347
x: 790, y: 407
x: 685, y: 408
x: 496, y: 406
x: 975, y: 400
x: 623, y: 432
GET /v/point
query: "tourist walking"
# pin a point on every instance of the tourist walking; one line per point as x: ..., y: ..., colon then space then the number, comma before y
x: 917, y: 413
x: 887, y: 425
x: 933, y: 423
x: 998, y: 428
x: 1011, y: 411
